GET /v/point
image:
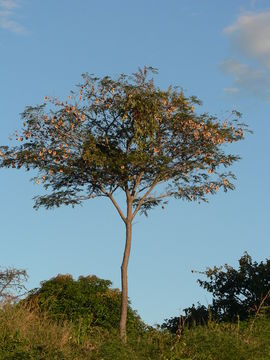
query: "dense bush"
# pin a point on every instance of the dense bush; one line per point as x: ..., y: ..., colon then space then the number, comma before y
x: 88, y: 301
x: 194, y: 316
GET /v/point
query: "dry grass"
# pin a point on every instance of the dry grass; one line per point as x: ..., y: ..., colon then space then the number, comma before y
x: 24, y: 332
x: 26, y: 335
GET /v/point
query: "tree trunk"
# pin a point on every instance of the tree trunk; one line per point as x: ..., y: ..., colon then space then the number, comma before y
x: 124, y: 266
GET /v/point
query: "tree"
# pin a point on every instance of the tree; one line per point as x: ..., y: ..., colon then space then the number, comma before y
x: 88, y: 301
x: 12, y: 284
x: 125, y: 134
x: 238, y: 292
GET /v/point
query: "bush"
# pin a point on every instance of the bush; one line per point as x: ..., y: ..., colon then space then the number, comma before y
x: 88, y: 301
x: 194, y: 316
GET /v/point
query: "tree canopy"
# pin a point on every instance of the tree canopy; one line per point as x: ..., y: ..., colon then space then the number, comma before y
x: 124, y: 134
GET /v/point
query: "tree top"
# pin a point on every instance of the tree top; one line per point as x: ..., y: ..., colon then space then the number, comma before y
x: 127, y: 134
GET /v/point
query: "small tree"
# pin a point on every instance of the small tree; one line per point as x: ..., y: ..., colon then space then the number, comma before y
x: 125, y: 134
x: 12, y: 284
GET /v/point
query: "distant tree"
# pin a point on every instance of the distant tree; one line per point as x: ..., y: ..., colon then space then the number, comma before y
x: 193, y: 316
x: 88, y: 301
x: 125, y: 134
x: 12, y: 284
x: 237, y: 294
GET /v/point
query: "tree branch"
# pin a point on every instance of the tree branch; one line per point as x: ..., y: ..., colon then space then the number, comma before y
x: 162, y: 196
x: 137, y: 181
x: 117, y: 207
x: 5, y: 286
x: 144, y: 197
x: 109, y: 195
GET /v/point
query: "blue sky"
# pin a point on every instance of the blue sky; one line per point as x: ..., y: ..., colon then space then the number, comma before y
x: 222, y: 55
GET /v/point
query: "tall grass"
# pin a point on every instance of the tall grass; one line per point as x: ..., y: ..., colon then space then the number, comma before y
x: 26, y: 335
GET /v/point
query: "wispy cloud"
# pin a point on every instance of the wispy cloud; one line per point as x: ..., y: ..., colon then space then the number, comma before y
x: 250, y: 37
x: 247, y: 79
x: 7, y: 14
x: 231, y: 90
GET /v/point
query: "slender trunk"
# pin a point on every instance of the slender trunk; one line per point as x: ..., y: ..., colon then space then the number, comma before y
x: 124, y: 266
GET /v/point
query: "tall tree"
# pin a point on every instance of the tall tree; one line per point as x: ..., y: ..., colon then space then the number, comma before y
x: 125, y: 134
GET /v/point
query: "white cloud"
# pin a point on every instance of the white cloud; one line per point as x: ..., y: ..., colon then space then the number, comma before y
x: 231, y: 90
x: 7, y: 11
x: 8, y: 4
x: 250, y: 35
x: 247, y: 79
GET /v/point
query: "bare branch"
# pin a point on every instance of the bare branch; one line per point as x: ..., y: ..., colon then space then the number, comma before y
x: 141, y: 190
x: 110, y: 196
x: 117, y: 207
x: 142, y: 200
x: 12, y: 282
x: 137, y: 181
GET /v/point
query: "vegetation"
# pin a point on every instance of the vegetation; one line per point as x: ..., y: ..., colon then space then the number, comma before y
x: 237, y: 294
x: 71, y: 319
x: 125, y: 134
x: 87, y: 302
x: 12, y: 284
x: 26, y: 335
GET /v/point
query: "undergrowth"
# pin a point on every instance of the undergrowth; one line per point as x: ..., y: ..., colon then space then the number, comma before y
x: 24, y: 334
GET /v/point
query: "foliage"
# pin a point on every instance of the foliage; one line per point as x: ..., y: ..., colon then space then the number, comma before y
x: 193, y: 316
x: 27, y: 336
x: 237, y: 294
x: 124, y: 134
x: 12, y: 284
x: 87, y: 302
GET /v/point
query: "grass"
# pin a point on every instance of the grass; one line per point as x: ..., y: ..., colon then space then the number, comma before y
x: 26, y: 335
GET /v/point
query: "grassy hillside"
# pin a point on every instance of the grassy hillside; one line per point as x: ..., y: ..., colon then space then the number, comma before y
x: 26, y: 335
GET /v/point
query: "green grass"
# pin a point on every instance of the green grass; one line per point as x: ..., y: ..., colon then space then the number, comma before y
x: 25, y: 335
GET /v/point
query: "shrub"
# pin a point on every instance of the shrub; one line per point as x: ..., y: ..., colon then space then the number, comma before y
x: 88, y: 301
